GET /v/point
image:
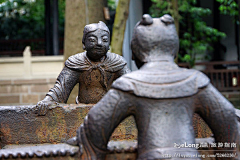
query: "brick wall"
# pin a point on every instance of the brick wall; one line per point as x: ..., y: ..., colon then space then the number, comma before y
x: 24, y: 92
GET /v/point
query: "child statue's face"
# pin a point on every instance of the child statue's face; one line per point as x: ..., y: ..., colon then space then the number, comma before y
x: 97, y: 44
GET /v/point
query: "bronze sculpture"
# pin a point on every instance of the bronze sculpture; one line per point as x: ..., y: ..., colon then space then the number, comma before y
x: 162, y: 98
x: 94, y: 70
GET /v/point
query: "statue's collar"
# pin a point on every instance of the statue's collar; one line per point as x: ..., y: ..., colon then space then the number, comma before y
x: 161, y: 64
x: 80, y: 62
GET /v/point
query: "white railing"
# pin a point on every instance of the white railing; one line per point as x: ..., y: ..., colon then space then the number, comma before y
x: 29, y: 67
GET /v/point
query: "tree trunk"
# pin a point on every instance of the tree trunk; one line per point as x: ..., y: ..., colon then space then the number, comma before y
x: 119, y: 26
x: 78, y: 13
x: 75, y: 13
x: 95, y: 10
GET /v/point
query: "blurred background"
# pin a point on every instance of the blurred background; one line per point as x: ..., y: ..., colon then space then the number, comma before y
x: 209, y: 34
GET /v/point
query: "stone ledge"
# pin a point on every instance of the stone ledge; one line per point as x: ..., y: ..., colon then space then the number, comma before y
x: 21, y: 124
x: 21, y: 127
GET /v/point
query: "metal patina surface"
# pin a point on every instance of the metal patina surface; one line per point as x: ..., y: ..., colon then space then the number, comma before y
x: 21, y: 128
x: 22, y: 125
x: 94, y: 70
x: 163, y: 99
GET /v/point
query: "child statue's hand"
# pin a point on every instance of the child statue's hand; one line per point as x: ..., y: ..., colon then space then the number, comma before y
x: 43, y: 106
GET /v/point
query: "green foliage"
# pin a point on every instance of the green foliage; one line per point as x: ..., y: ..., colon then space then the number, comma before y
x: 160, y: 8
x: 61, y: 18
x: 229, y: 7
x: 24, y: 19
x: 196, y: 38
x: 112, y: 4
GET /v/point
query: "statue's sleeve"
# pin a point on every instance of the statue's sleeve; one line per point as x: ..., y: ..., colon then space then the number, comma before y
x: 101, y: 121
x: 123, y: 71
x: 220, y: 115
x: 66, y: 80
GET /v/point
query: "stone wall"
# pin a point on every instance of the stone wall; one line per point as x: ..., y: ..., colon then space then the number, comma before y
x: 24, y: 92
x: 26, y: 80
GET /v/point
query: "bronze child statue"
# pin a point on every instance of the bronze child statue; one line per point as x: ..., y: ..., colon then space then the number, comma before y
x: 162, y: 98
x: 94, y: 70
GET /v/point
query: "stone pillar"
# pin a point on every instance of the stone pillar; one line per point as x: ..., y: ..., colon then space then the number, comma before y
x: 27, y: 62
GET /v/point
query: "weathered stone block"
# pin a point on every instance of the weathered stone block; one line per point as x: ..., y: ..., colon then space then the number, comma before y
x: 22, y: 125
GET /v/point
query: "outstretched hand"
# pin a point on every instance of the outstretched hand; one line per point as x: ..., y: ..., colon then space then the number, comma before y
x: 43, y: 106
